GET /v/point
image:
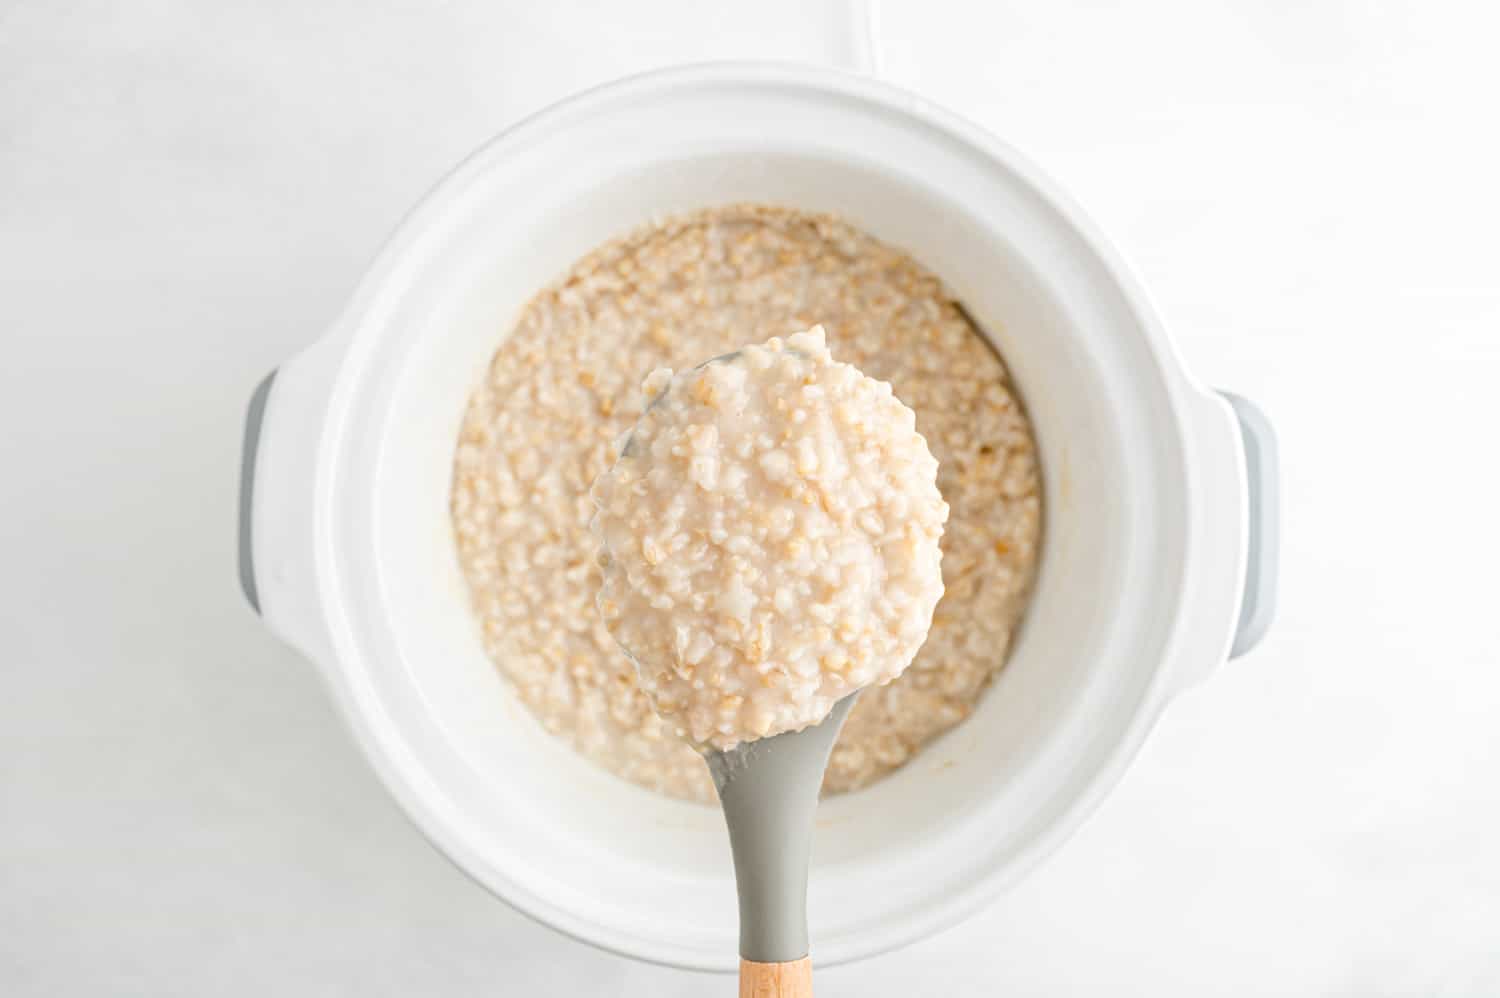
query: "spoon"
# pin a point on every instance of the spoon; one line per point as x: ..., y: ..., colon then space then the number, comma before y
x: 769, y: 791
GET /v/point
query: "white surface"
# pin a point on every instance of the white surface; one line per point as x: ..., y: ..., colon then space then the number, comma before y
x: 188, y: 191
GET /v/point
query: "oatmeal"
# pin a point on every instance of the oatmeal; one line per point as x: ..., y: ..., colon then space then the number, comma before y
x: 769, y: 540
x: 565, y: 383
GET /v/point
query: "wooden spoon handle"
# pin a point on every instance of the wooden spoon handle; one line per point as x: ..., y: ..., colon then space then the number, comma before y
x: 776, y: 980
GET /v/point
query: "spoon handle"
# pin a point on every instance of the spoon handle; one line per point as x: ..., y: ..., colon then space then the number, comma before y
x: 776, y: 980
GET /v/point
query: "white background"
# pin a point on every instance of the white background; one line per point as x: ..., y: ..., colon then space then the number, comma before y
x: 189, y: 189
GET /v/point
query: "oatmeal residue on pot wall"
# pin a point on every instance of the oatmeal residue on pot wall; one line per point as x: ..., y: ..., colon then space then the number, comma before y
x: 565, y: 383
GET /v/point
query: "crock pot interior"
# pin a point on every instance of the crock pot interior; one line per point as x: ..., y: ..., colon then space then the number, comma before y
x: 631, y: 869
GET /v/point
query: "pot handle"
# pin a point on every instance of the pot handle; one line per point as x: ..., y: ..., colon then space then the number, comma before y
x: 1258, y: 605
x: 255, y: 415
x: 280, y: 476
x: 1231, y: 580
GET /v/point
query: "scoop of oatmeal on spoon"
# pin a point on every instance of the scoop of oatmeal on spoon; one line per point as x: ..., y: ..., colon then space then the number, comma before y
x: 769, y: 540
x: 769, y: 543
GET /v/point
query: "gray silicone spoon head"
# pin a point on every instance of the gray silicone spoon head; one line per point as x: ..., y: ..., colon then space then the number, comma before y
x: 769, y: 791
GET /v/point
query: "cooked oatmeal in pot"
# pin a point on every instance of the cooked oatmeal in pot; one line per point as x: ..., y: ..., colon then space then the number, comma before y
x: 565, y: 383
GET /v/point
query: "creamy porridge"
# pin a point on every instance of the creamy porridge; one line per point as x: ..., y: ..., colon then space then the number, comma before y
x: 565, y: 383
x: 769, y: 540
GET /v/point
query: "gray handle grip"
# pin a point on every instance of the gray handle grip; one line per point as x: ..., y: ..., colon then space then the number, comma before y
x: 1258, y: 605
x: 254, y: 416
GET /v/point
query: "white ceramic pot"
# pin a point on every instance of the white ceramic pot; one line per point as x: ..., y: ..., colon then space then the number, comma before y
x: 1149, y: 510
